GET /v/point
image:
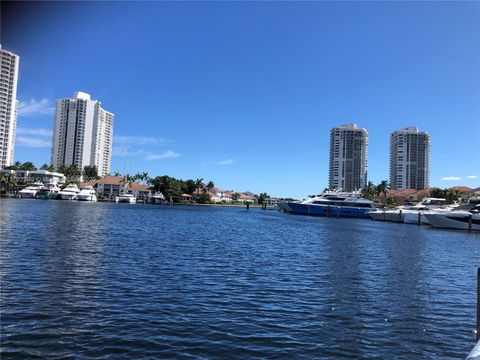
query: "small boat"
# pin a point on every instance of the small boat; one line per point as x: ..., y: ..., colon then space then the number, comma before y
x: 331, y: 204
x: 87, y: 194
x: 126, y: 198
x: 48, y: 192
x: 30, y: 191
x: 158, y: 198
x: 70, y: 192
x: 456, y: 219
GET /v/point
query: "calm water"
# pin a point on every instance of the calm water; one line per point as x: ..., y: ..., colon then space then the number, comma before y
x: 82, y: 280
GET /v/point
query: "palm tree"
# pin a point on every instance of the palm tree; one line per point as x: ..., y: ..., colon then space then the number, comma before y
x: 368, y: 192
x: 210, y: 186
x: 145, y: 177
x: 116, y: 173
x: 126, y: 181
x: 198, y: 184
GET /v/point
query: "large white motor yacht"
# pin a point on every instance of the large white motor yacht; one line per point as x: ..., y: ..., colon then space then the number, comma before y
x: 456, y: 219
x: 126, y: 198
x: 70, y: 192
x: 30, y: 191
x: 87, y: 194
x: 158, y: 198
x: 409, y: 214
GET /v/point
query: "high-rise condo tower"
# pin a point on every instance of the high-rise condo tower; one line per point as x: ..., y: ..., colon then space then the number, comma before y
x: 409, y: 159
x: 8, y: 105
x: 82, y: 134
x: 348, y: 157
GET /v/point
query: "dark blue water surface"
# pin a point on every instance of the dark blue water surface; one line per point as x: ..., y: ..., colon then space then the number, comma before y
x: 95, y: 280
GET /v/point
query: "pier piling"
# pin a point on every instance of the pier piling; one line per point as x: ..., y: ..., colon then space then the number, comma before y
x: 419, y: 219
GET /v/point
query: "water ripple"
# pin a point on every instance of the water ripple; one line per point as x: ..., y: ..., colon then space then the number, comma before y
x: 104, y: 281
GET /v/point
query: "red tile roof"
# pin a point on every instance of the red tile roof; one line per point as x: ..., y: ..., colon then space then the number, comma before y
x: 463, y: 189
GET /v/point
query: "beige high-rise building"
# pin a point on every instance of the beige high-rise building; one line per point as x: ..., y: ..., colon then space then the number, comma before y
x: 409, y: 159
x: 82, y: 134
x: 348, y: 157
x: 8, y: 105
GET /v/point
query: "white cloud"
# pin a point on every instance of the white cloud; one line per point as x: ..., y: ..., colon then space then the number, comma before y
x: 32, y: 142
x: 140, y: 140
x: 451, y: 178
x: 125, y: 151
x: 226, y: 162
x: 472, y: 177
x: 166, y: 155
x: 36, y: 131
x: 35, y: 107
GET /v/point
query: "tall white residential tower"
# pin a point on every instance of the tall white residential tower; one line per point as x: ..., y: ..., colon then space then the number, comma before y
x: 8, y: 105
x: 82, y: 134
x: 409, y: 159
x: 348, y: 157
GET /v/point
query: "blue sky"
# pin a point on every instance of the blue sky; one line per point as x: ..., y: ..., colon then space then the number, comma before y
x: 244, y: 94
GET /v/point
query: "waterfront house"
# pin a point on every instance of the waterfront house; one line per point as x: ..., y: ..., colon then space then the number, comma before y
x: 112, y: 186
x: 43, y: 176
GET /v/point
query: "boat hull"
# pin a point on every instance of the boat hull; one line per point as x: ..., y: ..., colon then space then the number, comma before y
x: 454, y: 221
x: 27, y: 195
x: 91, y: 198
x: 324, y: 210
x: 68, y: 196
x: 126, y: 201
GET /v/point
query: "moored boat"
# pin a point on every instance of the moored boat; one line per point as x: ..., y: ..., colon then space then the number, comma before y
x: 331, y: 204
x: 30, y: 191
x: 410, y: 214
x: 158, y: 198
x: 126, y: 198
x: 87, y: 194
x: 48, y: 192
x: 456, y: 219
x: 69, y: 193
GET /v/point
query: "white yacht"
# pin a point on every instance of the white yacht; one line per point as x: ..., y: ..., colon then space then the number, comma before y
x: 30, y: 191
x: 409, y: 214
x: 87, y: 194
x: 331, y: 204
x: 456, y: 219
x: 70, y: 192
x: 158, y: 198
x: 48, y: 192
x: 126, y: 198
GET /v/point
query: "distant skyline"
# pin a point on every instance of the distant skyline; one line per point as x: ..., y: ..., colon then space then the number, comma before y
x: 245, y: 93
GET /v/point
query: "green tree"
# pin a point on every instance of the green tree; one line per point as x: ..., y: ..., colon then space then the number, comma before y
x: 189, y: 186
x: 47, y: 167
x: 116, y: 173
x: 90, y: 172
x: 210, y: 185
x: 27, y: 166
x: 261, y: 197
x: 235, y: 196
x: 368, y: 192
x: 198, y: 184
x: 126, y: 181
x: 204, y: 198
x: 15, y: 166
x: 438, y: 193
x: 8, y: 183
